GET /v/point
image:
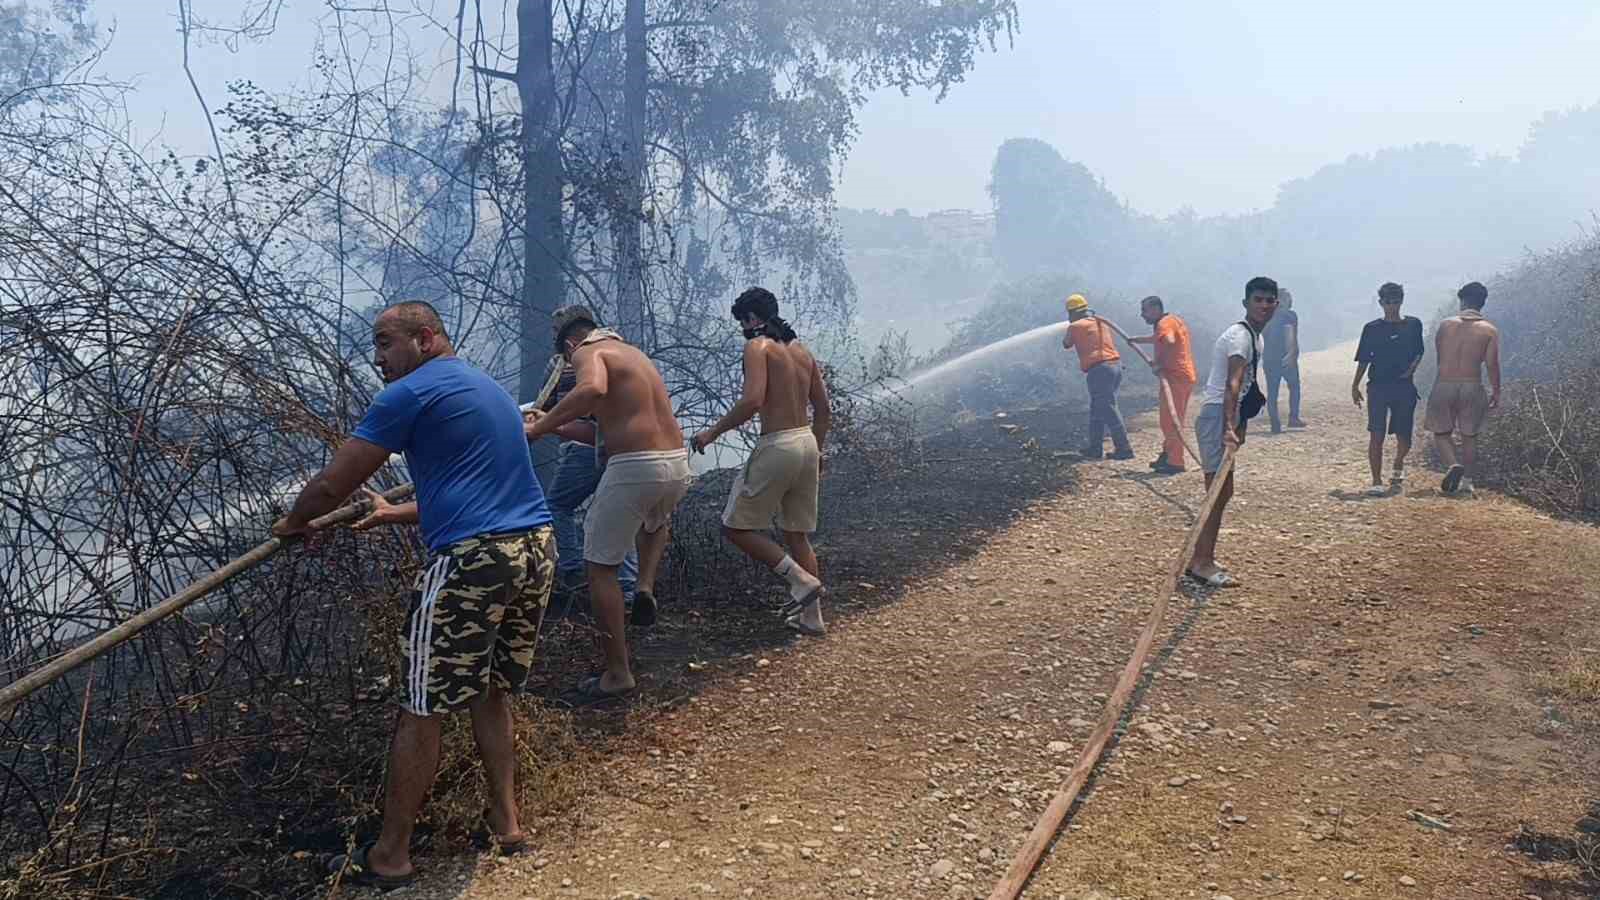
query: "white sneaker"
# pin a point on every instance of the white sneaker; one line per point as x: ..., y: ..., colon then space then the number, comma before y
x: 1465, y: 489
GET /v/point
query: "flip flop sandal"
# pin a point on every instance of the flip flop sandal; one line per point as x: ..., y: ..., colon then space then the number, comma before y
x: 589, y: 693
x: 484, y: 838
x: 800, y: 625
x: 356, y: 870
x: 1218, y: 579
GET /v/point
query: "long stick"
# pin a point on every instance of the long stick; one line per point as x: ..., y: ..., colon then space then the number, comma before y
x: 105, y: 640
x: 1033, y: 849
x: 17, y: 690
x: 1163, y: 388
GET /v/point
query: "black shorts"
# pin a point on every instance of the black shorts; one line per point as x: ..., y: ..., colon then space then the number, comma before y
x: 1393, y: 404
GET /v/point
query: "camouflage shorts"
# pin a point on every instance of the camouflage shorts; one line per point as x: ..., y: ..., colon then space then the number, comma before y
x: 474, y: 619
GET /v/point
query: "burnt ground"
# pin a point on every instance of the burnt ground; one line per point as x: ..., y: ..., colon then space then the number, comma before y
x: 888, y: 512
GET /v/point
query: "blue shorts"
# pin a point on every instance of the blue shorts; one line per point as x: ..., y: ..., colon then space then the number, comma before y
x: 1391, y: 407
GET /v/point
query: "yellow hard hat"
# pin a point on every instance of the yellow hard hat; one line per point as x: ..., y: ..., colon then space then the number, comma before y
x: 1076, y: 303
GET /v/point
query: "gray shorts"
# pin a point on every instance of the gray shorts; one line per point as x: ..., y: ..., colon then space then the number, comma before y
x: 1208, y: 437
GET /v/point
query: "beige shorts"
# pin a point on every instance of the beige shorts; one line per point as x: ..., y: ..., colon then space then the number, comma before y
x: 779, y: 480
x: 638, y: 490
x: 1459, y: 406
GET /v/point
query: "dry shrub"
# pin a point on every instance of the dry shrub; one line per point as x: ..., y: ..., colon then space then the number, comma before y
x: 1544, y: 446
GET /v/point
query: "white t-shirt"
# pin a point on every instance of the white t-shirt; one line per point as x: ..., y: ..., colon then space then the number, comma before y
x: 1233, y: 342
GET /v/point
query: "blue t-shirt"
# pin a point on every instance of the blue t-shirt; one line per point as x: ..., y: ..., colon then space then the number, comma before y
x: 462, y: 437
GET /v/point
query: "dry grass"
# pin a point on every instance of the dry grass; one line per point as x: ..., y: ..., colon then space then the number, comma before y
x: 1576, y: 679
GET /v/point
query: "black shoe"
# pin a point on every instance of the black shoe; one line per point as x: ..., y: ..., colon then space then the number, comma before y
x: 644, y: 609
x: 1124, y: 453
x: 1168, y: 469
x: 1092, y: 453
x: 1296, y: 423
x: 1160, y: 461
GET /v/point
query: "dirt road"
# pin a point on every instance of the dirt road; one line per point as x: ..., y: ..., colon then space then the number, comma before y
x: 1384, y: 661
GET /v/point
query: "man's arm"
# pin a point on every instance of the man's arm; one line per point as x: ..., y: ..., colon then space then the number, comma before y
x: 1492, y: 358
x: 581, y: 401
x: 821, y: 406
x: 1231, y: 435
x: 1291, y: 336
x: 352, y: 464
x: 750, y: 400
x: 385, y: 513
x: 1355, y: 386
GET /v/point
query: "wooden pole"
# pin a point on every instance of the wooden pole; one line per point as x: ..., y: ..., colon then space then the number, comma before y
x: 1044, y: 831
x: 19, y: 689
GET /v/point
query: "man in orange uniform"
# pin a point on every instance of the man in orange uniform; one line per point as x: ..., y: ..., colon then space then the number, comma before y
x: 1175, y: 365
x: 1095, y: 342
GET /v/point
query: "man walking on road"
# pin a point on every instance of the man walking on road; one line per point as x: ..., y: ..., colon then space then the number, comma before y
x: 1174, y: 365
x: 578, y: 470
x: 646, y: 474
x: 782, y: 475
x: 1281, y: 361
x: 1389, y: 352
x: 475, y: 613
x: 1102, y: 368
x: 1467, y: 344
x: 1231, y: 399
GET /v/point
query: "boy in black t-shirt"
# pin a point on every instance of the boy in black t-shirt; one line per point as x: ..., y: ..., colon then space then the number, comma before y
x: 1391, y: 347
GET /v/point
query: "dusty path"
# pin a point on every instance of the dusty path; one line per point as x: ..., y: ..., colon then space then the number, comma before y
x: 1383, y: 656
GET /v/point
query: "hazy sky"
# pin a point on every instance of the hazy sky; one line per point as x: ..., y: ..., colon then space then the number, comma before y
x: 1205, y: 103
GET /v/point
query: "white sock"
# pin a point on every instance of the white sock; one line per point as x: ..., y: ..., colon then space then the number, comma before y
x: 800, y: 581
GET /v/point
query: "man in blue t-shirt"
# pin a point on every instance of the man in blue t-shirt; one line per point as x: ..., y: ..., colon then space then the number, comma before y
x: 1390, y: 349
x: 469, y: 638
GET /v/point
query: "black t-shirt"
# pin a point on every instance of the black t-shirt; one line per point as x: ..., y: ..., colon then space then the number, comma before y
x: 1276, y: 336
x: 1390, y: 348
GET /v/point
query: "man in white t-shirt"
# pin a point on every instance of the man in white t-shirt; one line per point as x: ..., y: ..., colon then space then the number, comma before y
x: 1235, y: 367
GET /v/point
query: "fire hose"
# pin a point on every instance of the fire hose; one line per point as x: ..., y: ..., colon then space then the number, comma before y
x: 1044, y: 831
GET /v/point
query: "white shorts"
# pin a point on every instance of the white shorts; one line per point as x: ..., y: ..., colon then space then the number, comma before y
x: 638, y: 490
x: 779, y: 481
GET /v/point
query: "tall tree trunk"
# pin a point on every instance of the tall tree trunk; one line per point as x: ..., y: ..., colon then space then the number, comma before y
x: 626, y: 217
x: 544, y: 250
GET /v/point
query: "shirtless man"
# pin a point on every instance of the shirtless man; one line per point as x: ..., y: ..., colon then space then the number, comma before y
x: 780, y: 479
x: 647, y: 473
x: 1466, y: 343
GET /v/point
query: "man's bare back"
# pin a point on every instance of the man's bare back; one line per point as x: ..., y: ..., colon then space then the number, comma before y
x: 1466, y: 343
x: 633, y: 409
x: 793, y: 382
